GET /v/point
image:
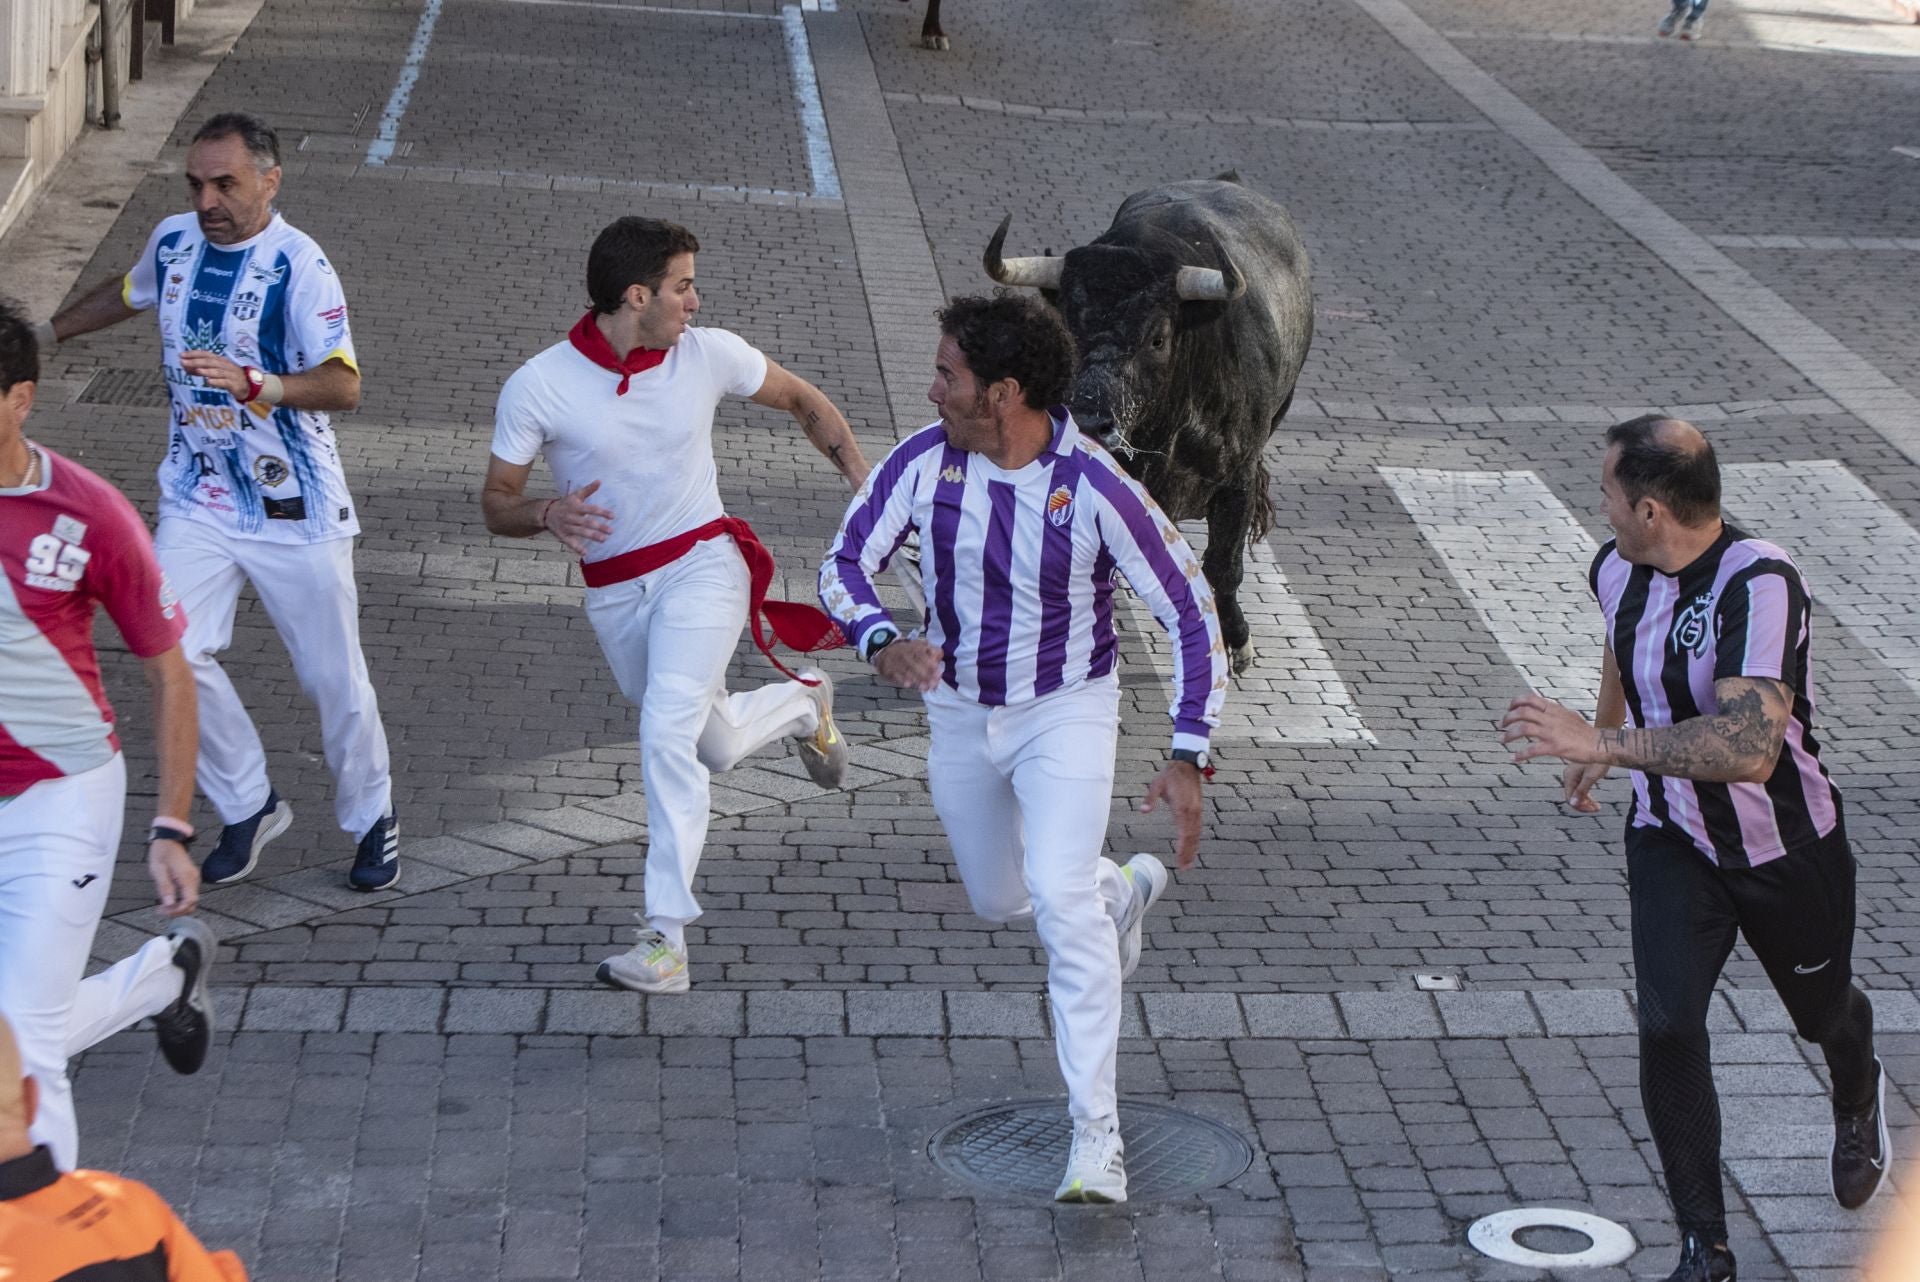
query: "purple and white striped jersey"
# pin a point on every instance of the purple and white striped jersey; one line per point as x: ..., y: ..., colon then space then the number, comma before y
x: 1018, y: 568
x: 1741, y: 609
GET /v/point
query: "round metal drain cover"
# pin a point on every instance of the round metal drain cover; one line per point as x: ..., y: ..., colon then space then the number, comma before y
x: 1020, y: 1150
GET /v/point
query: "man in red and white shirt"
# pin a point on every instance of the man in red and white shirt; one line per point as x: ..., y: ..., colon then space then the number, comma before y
x: 623, y: 413
x: 70, y: 541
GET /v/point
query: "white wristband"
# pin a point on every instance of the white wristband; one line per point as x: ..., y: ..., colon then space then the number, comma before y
x: 272, y: 390
x: 44, y: 337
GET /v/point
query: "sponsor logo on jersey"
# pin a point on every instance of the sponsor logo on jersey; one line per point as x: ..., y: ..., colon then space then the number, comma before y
x: 1060, y: 507
x: 204, y: 337
x: 293, y: 509
x: 210, y: 270
x: 209, y: 297
x: 954, y: 473
x: 169, y: 598
x: 174, y: 257
x: 336, y: 319
x: 265, y: 275
x: 271, y: 471
x: 1693, y: 627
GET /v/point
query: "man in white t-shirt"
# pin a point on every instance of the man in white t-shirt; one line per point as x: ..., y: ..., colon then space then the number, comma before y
x: 623, y: 413
x: 256, y: 349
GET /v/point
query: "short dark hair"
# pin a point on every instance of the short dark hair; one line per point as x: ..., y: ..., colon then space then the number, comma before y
x: 262, y: 143
x: 633, y: 251
x: 19, y: 349
x: 1684, y: 478
x: 1013, y: 335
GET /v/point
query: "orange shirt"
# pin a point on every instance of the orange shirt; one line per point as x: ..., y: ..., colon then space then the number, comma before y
x: 96, y: 1225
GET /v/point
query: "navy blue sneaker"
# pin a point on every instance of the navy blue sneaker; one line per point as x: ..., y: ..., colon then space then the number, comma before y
x: 240, y: 844
x: 376, y: 864
x: 185, y: 1028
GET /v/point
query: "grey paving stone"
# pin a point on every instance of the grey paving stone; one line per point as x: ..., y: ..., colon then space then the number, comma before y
x: 593, y: 1012
x: 698, y: 1013
x: 996, y: 1015
x: 299, y: 1010
x: 494, y: 1010
x: 1585, y: 1013
x: 795, y: 1014
x: 1389, y: 1015
x: 394, y: 1010
x: 1487, y: 1014
x: 895, y: 1014
x: 1209, y: 1016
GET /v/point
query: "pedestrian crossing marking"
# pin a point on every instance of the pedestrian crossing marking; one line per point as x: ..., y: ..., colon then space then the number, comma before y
x: 1520, y: 559
x: 1861, y: 558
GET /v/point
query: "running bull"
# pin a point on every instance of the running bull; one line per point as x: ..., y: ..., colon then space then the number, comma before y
x: 1193, y: 314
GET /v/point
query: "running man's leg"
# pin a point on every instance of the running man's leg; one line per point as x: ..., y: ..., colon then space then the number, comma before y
x: 1797, y: 913
x: 1062, y: 750
x: 1683, y: 930
x: 232, y: 766
x: 309, y: 592
x: 57, y: 846
x: 978, y: 808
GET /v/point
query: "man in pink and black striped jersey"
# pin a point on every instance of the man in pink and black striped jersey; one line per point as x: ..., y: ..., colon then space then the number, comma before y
x: 1706, y: 695
x: 1024, y: 524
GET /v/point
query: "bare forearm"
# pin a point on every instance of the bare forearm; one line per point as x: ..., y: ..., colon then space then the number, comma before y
x: 1736, y: 744
x: 515, y: 516
x: 176, y: 729
x: 827, y: 428
x: 331, y: 387
x: 99, y: 307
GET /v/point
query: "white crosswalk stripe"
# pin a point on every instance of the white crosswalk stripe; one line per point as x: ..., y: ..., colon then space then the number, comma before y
x: 1293, y: 693
x: 1861, y: 558
x: 1520, y: 559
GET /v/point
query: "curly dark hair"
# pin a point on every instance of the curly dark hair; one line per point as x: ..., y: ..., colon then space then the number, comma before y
x: 1013, y: 335
x: 19, y: 350
x: 633, y: 251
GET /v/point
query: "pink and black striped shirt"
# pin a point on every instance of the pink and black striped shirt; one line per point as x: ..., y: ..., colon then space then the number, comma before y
x: 1741, y: 609
x: 1018, y: 571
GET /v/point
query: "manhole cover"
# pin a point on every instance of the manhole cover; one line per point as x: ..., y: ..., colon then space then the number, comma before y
x: 145, y: 388
x: 1020, y: 1149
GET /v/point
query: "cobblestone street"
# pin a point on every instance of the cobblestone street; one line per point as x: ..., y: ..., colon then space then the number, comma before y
x: 1528, y: 219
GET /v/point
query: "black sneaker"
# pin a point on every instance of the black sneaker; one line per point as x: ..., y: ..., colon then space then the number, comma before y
x: 185, y: 1029
x: 1701, y: 1263
x: 240, y: 844
x: 1862, y: 1149
x: 376, y: 864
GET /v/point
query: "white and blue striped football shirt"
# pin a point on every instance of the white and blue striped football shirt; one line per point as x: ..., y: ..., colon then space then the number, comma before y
x: 1018, y: 570
x: 273, y: 301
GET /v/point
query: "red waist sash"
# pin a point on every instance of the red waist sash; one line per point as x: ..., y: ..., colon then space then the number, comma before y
x: 796, y: 625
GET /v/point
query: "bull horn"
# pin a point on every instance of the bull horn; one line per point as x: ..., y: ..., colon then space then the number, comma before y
x: 1205, y: 284
x: 1039, y: 273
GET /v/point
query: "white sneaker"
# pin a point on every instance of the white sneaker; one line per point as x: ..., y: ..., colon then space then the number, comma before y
x: 1147, y: 878
x: 824, y: 752
x: 1097, y: 1167
x: 652, y: 965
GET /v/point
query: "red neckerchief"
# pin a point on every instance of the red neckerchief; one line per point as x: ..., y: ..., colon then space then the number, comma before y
x: 592, y: 344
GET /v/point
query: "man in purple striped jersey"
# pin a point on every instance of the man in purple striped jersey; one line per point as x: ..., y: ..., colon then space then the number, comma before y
x: 1024, y: 524
x: 1706, y: 695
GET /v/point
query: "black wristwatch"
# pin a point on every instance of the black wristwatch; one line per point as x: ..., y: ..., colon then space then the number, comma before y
x: 879, y: 639
x: 167, y: 832
x: 1199, y: 758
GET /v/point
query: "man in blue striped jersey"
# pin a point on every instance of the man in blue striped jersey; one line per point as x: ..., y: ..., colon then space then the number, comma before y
x: 1024, y: 525
x: 256, y: 349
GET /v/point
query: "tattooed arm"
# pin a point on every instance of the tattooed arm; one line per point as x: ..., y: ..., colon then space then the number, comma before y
x: 825, y: 426
x: 1738, y: 743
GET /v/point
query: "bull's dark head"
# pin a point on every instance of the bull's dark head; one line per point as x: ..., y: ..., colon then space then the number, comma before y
x: 1123, y: 304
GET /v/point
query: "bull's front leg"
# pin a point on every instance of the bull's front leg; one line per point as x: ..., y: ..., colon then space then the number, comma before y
x: 1228, y: 516
x: 931, y: 36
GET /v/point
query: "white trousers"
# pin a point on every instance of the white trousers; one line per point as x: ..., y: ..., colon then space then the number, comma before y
x: 1024, y: 793
x: 309, y: 593
x: 669, y: 636
x: 57, y: 845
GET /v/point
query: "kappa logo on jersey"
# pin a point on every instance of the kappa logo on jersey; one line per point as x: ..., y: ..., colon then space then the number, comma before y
x: 954, y: 474
x: 270, y: 471
x: 1693, y: 627
x: 1060, y: 507
x: 55, y: 560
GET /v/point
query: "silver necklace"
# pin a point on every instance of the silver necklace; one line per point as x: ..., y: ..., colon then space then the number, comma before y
x: 32, y: 473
